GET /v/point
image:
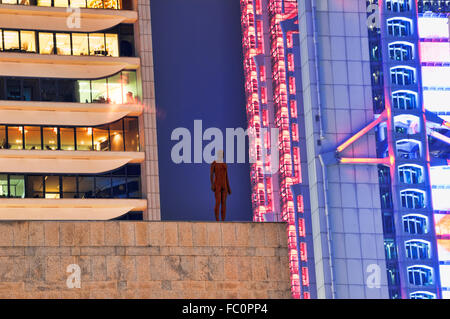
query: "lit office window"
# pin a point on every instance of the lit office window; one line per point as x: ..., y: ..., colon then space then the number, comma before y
x: 422, y: 295
x: 415, y: 224
x: 3, y: 142
x: 44, y: 3
x: 111, y: 4
x: 32, y: 138
x: 46, y: 44
x: 404, y: 100
x: 63, y: 46
x: 417, y: 249
x: 52, y: 186
x: 97, y: 44
x: 80, y: 44
x: 99, y: 90
x: 390, y: 249
x: 112, y: 45
x: 420, y: 275
x: 412, y: 199
x: 9, y: 2
x: 94, y: 3
x: 1, y: 40
x: 410, y: 174
x: 50, y: 138
x: 84, y: 138
x: 28, y: 41
x: 11, y: 40
x: 84, y: 91
x: 78, y: 3
x: 17, y: 186
x: 402, y: 76
x: 3, y: 185
x: 61, y: 3
x: 116, y: 132
x: 399, y: 27
x: 401, y: 51
x: 398, y: 5
x: 101, y: 138
x: 67, y: 137
x: 15, y: 137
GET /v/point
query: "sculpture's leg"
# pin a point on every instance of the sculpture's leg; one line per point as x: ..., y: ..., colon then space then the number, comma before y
x: 217, y: 206
x: 224, y: 204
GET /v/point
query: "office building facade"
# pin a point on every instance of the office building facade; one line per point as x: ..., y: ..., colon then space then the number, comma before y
x: 358, y: 91
x: 77, y: 111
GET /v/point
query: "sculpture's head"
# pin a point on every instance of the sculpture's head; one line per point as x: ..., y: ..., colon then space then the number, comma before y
x: 220, y: 156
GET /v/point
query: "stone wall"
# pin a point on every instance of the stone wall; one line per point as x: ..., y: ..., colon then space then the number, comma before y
x: 144, y: 260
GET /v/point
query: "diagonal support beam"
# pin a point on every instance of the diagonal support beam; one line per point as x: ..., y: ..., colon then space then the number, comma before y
x: 362, y: 132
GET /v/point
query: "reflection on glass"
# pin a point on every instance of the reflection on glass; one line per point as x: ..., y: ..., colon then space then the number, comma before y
x: 86, y: 186
x: 112, y: 45
x: 111, y: 4
x: 33, y: 138
x: 69, y: 185
x: 102, y: 187
x: 84, y: 138
x: 35, y: 187
x: 11, y: 39
x: 50, y: 135
x: 133, y: 185
x: 116, y: 131
x: 80, y: 43
x: 115, y: 89
x: 101, y: 138
x: 129, y: 87
x: 51, y: 186
x: 3, y: 185
x: 131, y: 134
x: 13, y: 91
x: 3, y: 143
x: 119, y: 187
x: 63, y: 46
x: 28, y: 41
x: 99, y: 91
x: 46, y: 44
x: 97, y: 44
x: 67, y: 136
x: 17, y: 186
x: 15, y: 137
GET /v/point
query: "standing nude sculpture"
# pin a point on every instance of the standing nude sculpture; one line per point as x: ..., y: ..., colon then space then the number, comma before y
x: 220, y: 185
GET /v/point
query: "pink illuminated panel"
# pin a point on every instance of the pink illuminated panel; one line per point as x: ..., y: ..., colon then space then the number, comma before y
x: 435, y: 52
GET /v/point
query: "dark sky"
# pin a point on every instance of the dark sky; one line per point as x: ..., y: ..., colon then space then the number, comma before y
x: 198, y: 76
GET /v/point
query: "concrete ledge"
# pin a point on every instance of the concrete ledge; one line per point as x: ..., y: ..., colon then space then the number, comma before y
x: 144, y: 259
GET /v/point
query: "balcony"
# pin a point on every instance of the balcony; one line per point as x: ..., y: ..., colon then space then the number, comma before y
x: 67, y: 209
x: 47, y: 17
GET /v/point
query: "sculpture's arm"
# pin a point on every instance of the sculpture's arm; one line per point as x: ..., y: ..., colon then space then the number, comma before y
x: 211, y: 176
x: 228, y: 183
